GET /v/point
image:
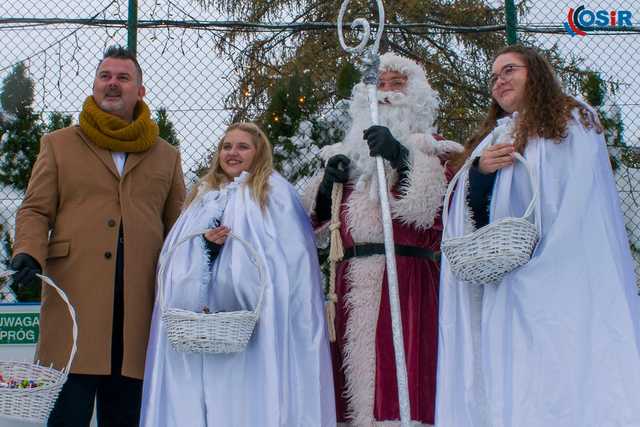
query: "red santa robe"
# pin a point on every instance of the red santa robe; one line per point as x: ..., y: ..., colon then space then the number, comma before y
x: 363, y: 355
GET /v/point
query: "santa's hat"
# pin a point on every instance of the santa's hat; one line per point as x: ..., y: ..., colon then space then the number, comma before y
x: 393, y: 62
x: 423, y: 100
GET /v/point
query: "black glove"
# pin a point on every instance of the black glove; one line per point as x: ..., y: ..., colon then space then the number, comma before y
x: 336, y: 170
x: 26, y: 268
x: 382, y: 143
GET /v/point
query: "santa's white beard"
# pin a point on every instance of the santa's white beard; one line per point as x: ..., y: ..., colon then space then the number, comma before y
x: 394, y: 112
x: 397, y: 115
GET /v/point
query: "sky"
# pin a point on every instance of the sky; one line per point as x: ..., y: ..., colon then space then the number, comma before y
x: 616, y: 57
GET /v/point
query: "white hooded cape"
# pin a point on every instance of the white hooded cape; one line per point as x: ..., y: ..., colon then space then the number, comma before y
x: 283, y: 378
x: 556, y: 342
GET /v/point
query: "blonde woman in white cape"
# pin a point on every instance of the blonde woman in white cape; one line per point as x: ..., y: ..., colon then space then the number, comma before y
x: 556, y: 342
x: 283, y: 377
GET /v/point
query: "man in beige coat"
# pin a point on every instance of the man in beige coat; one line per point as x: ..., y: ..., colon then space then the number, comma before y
x: 101, y: 198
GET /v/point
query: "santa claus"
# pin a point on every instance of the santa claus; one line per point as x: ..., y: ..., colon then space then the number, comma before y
x: 417, y: 174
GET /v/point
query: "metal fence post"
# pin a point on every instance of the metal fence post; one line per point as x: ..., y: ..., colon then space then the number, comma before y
x: 512, y: 21
x: 132, y: 26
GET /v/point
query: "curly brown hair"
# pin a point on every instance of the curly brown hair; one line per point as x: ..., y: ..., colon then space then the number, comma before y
x: 547, y: 109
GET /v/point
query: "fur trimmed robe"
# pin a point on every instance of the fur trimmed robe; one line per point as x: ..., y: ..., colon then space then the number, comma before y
x: 363, y: 358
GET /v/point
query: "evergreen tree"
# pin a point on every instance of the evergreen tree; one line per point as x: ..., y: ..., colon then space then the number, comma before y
x: 17, y: 90
x: 347, y: 78
x: 20, y: 132
x: 456, y: 63
x: 5, y: 250
x: 297, y: 127
x: 595, y: 91
x: 292, y: 103
x: 167, y: 129
x: 58, y: 120
x: 21, y: 128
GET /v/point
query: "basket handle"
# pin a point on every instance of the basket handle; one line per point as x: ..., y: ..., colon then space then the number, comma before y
x: 254, y: 258
x: 467, y: 166
x: 72, y: 313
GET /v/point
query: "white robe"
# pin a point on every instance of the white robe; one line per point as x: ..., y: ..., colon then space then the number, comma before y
x: 284, y: 376
x: 557, y: 342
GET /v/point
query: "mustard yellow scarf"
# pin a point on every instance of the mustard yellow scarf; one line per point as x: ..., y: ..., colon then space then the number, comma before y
x: 114, y: 134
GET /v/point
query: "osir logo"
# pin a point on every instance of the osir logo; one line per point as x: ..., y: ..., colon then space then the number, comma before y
x: 581, y: 20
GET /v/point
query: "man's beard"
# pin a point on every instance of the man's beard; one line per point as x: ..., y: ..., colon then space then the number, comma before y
x: 394, y: 112
x: 113, y: 105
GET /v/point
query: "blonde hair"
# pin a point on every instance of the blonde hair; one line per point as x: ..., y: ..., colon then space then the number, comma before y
x: 259, y: 172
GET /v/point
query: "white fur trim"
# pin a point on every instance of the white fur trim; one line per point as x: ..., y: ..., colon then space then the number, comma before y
x: 362, y: 302
x: 431, y: 146
x: 423, y: 195
x: 364, y: 221
x: 393, y: 62
x: 329, y: 151
x: 469, y: 221
x: 447, y: 146
x: 363, y: 305
x: 424, y: 191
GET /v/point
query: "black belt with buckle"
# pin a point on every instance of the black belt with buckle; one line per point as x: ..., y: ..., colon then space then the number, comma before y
x: 368, y: 249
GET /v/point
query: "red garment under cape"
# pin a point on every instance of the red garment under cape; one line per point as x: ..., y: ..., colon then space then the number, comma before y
x: 418, y: 288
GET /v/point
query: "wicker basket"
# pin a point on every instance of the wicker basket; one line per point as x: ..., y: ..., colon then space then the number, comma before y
x: 222, y: 332
x: 35, y: 404
x: 487, y: 254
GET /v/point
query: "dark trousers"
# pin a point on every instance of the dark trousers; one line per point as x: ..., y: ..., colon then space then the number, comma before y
x: 118, y: 398
x: 118, y: 401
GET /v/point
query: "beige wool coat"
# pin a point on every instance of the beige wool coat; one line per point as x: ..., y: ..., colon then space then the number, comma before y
x: 69, y: 222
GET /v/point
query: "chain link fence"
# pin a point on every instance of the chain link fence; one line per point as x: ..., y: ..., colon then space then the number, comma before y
x: 187, y: 55
x: 609, y: 51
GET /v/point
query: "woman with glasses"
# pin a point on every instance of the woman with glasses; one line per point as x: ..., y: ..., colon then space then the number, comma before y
x: 555, y: 342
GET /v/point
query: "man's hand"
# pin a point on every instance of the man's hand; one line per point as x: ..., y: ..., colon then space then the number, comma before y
x: 336, y: 170
x: 496, y: 157
x: 26, y: 268
x: 382, y: 143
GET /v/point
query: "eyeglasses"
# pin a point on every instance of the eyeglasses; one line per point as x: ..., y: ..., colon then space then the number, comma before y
x: 394, y: 84
x: 506, y: 74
